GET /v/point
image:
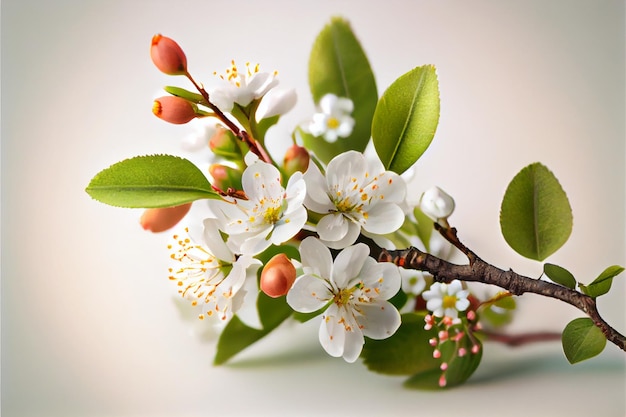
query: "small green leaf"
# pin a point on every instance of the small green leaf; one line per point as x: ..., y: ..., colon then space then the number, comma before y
x: 406, y: 118
x: 236, y: 336
x: 535, y: 216
x: 406, y: 352
x: 602, y: 284
x: 560, y: 275
x: 187, y: 95
x: 582, y: 340
x: 150, y: 182
x: 425, y: 227
x: 338, y: 65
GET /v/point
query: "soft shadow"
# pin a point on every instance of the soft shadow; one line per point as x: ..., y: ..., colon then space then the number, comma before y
x: 511, y: 366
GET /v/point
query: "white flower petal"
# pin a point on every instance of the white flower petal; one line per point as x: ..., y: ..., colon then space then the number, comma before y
x: 317, y: 257
x: 353, y: 345
x: 333, y: 227
x: 316, y: 198
x: 276, y: 102
x: 308, y: 294
x: 350, y: 237
x: 380, y: 320
x: 332, y: 334
x: 349, y: 263
x: 384, y: 218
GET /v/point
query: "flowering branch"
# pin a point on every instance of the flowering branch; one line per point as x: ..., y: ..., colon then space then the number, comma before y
x: 480, y: 271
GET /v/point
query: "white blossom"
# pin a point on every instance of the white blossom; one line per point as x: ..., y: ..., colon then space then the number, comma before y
x: 242, y: 88
x: 446, y: 300
x: 356, y: 289
x: 270, y: 215
x: 210, y: 276
x: 334, y: 119
x: 276, y: 102
x: 355, y: 194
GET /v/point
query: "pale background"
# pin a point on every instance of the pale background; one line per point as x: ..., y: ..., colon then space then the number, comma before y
x: 89, y: 325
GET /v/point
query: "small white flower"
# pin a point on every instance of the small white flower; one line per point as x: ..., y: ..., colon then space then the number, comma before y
x: 446, y: 299
x: 436, y: 203
x: 242, y: 88
x: 355, y: 194
x: 270, y: 215
x: 334, y: 118
x: 210, y: 276
x: 413, y: 282
x: 356, y: 289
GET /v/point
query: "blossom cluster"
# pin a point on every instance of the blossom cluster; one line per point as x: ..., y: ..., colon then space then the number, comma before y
x: 328, y: 211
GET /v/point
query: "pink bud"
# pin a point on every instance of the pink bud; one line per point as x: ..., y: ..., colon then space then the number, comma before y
x: 475, y: 349
x: 224, y: 143
x: 173, y: 109
x: 436, y: 354
x: 225, y: 178
x: 443, y: 366
x: 160, y: 219
x: 296, y: 159
x: 278, y: 276
x: 442, y: 381
x: 462, y: 352
x: 168, y: 56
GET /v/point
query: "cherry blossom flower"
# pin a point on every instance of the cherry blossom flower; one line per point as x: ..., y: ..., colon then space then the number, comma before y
x: 333, y: 120
x: 355, y: 194
x: 446, y: 300
x: 242, y: 88
x: 355, y: 288
x: 210, y: 276
x: 413, y: 281
x: 270, y: 215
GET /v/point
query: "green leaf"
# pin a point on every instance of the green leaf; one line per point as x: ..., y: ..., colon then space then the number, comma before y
x: 602, y: 284
x: 560, y: 275
x: 535, y: 216
x: 406, y: 352
x: 406, y: 118
x: 338, y: 65
x: 425, y: 227
x: 236, y: 336
x: 187, y: 95
x: 150, y: 182
x: 582, y: 340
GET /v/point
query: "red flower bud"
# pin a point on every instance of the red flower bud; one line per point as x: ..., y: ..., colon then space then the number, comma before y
x: 278, y: 276
x: 168, y: 56
x: 296, y: 159
x: 160, y: 219
x: 173, y: 109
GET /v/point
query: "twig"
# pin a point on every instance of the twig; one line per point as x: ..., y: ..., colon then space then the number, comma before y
x: 480, y: 271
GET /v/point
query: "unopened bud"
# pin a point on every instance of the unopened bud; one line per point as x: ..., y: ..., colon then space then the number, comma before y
x: 224, y: 143
x: 225, y: 177
x: 296, y: 159
x: 161, y: 219
x: 436, y: 203
x: 167, y: 56
x: 278, y: 276
x: 173, y: 109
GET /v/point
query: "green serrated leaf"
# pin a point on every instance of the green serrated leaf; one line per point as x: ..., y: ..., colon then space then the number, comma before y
x: 560, y: 275
x: 602, y: 284
x: 406, y: 118
x: 535, y: 216
x: 582, y: 340
x: 236, y: 336
x: 338, y: 65
x: 150, y: 182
